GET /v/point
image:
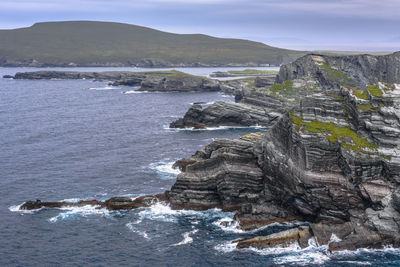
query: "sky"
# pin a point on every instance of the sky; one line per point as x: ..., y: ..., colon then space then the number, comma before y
x: 357, y: 25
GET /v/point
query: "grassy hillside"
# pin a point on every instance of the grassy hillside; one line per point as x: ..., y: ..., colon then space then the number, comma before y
x: 99, y: 43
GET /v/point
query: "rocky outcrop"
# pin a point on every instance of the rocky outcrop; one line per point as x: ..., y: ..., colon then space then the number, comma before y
x: 225, y: 114
x: 181, y: 83
x: 333, y: 160
x: 333, y: 71
x: 163, y: 81
x: 114, y: 203
x: 299, y: 235
x: 75, y: 75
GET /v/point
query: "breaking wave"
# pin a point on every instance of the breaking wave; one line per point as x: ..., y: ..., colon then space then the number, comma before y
x: 219, y: 128
x: 84, y: 211
x: 165, y: 170
x: 104, y: 88
x: 187, y: 239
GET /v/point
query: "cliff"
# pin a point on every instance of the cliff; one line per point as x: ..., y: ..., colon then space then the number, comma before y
x: 333, y: 160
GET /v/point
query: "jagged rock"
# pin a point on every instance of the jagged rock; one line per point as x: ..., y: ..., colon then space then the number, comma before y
x: 225, y: 177
x: 185, y: 83
x: 225, y: 114
x: 333, y: 71
x: 323, y: 233
x: 358, y: 241
x: 299, y: 235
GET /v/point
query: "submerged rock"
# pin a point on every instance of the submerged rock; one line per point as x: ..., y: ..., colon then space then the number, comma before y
x: 114, y: 203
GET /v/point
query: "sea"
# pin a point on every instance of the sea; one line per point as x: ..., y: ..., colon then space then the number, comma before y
x: 82, y: 139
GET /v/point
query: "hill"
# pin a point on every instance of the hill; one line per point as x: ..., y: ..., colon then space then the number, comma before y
x: 91, y: 43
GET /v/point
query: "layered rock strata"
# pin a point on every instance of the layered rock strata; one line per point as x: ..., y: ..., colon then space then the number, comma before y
x: 333, y: 160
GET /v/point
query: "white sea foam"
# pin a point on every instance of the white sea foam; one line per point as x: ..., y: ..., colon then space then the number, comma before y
x: 16, y: 208
x: 134, y: 92
x: 72, y: 200
x: 219, y: 128
x: 228, y: 224
x: 388, y: 249
x: 285, y: 255
x: 104, y: 88
x: 133, y: 229
x: 166, y: 169
x: 313, y: 254
x: 226, y: 247
x: 163, y: 212
x: 187, y: 239
x: 203, y: 103
x: 71, y: 212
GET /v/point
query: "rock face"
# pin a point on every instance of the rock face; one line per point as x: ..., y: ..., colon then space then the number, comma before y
x: 359, y: 70
x: 332, y: 160
x: 226, y: 114
x: 164, y: 81
x: 182, y: 83
x: 250, y: 109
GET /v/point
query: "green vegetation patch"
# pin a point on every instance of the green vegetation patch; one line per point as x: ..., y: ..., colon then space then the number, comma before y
x: 336, y: 74
x: 366, y: 107
x: 374, y: 90
x: 284, y: 88
x: 336, y: 96
x: 361, y: 94
x: 335, y: 133
x: 253, y: 71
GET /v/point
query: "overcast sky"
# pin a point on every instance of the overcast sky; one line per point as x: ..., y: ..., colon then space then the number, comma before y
x: 365, y: 25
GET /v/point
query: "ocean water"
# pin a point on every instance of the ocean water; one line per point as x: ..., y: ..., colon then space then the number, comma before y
x: 81, y: 139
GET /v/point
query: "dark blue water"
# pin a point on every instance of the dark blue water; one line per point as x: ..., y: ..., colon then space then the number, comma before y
x: 60, y: 140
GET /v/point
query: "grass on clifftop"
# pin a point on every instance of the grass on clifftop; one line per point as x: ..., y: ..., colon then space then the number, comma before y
x: 366, y: 107
x: 284, y: 88
x: 374, y: 90
x: 361, y: 94
x: 335, y: 133
x: 336, y: 74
